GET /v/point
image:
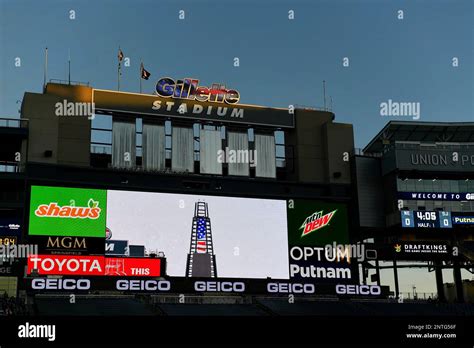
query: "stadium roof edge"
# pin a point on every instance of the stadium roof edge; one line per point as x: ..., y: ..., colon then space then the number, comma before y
x: 414, y: 127
x: 255, y: 106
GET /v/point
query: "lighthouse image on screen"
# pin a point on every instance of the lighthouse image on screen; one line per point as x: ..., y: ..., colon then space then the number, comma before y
x: 205, y: 236
x: 201, y: 258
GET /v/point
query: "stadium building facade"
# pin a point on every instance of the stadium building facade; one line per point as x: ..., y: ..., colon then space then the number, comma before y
x: 75, y: 137
x: 278, y: 184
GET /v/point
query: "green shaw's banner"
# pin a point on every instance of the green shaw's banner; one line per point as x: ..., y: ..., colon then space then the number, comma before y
x: 62, y: 211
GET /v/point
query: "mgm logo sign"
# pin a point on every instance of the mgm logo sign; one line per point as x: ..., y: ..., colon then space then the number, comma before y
x: 61, y: 245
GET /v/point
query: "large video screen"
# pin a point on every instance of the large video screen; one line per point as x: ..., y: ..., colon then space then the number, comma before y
x: 83, y: 231
x: 249, y: 236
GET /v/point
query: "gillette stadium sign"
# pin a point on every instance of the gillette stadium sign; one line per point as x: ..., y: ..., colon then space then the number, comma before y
x: 190, y: 89
x: 187, y: 98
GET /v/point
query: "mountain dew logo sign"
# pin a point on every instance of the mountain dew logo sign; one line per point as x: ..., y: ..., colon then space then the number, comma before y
x: 64, y: 211
x: 316, y: 221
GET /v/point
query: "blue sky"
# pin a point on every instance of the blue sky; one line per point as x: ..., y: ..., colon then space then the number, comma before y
x: 282, y: 61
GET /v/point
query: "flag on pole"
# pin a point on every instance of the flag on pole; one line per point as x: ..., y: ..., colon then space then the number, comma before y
x: 119, y: 69
x: 145, y: 74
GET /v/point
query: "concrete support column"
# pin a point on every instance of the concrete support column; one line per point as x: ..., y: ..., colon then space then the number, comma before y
x: 439, y: 280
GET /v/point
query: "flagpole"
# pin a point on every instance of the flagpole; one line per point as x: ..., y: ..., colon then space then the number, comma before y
x: 45, y: 68
x: 69, y: 66
x: 118, y: 72
x: 141, y: 72
x: 324, y: 94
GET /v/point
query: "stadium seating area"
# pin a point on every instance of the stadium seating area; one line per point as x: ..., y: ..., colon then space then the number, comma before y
x: 128, y: 305
x: 212, y: 310
x: 11, y: 306
x: 367, y: 308
x: 89, y: 306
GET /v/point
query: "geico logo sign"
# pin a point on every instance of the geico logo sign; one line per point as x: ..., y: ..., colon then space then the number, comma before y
x: 296, y: 288
x: 67, y: 212
x: 5, y: 270
x: 66, y: 242
x: 61, y: 284
x: 219, y: 286
x: 373, y: 290
x: 147, y: 285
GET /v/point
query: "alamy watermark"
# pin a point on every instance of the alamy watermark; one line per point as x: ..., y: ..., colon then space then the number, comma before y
x: 10, y: 252
x: 338, y: 252
x: 237, y: 156
x: 28, y: 330
x: 66, y: 108
x: 391, y: 108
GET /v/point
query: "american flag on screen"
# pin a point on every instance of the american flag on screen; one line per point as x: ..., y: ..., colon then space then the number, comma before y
x: 201, y: 246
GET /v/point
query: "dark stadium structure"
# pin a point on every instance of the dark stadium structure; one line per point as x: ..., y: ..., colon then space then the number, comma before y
x: 133, y: 142
x: 422, y: 174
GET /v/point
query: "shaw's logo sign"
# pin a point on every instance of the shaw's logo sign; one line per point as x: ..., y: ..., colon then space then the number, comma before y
x: 92, y: 211
x: 189, y: 89
x: 316, y: 221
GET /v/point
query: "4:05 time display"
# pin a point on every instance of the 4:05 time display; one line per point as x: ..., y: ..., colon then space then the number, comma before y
x: 426, y: 219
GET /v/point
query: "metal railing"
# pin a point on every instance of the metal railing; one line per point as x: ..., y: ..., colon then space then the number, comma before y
x: 101, y: 149
x: 435, y: 146
x: 14, y: 122
x: 314, y: 108
x: 419, y: 296
x: 67, y: 82
x: 360, y: 152
x: 398, y: 145
x: 9, y: 167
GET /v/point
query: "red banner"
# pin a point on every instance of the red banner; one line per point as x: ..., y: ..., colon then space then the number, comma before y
x: 94, y: 265
x: 132, y: 267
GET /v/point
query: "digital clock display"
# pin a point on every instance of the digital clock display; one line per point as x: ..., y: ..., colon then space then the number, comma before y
x: 7, y: 240
x: 426, y: 219
x: 426, y: 215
